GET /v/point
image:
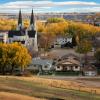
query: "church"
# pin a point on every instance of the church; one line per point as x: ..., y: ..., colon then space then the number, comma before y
x: 28, y: 37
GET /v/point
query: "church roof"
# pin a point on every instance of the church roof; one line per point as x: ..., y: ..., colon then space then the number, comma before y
x: 12, y: 33
x: 21, y: 31
x: 16, y: 33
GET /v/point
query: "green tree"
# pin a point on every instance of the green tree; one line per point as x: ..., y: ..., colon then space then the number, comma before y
x: 55, y: 20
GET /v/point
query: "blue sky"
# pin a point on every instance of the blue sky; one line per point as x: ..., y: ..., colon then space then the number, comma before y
x: 13, y: 6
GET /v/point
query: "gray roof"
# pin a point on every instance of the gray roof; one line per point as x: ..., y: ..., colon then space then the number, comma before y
x: 41, y: 61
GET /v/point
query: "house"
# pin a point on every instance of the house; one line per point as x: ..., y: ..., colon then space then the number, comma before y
x: 68, y: 64
x: 27, y: 37
x: 89, y: 70
x: 42, y: 65
x: 62, y: 41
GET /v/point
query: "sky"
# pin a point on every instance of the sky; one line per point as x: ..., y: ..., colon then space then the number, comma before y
x: 41, y: 6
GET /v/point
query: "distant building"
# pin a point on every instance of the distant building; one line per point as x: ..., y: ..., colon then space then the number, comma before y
x: 27, y: 37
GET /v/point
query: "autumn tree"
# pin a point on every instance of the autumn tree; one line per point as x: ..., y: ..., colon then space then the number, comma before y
x: 40, y: 26
x: 84, y: 47
x: 56, y: 28
x: 45, y: 41
x: 13, y: 55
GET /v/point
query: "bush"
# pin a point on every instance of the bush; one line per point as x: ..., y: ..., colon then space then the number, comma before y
x: 27, y: 74
x: 68, y: 73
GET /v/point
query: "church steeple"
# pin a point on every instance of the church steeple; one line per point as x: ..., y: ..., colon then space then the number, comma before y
x: 20, y: 21
x: 32, y: 21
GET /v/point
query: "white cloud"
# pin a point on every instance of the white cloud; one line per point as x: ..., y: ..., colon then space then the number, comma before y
x: 46, y: 5
x: 76, y: 3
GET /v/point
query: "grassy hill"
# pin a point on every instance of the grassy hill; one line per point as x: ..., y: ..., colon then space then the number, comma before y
x: 35, y: 87
x: 14, y: 96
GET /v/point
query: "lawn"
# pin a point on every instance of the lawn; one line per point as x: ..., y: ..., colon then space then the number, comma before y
x: 34, y: 87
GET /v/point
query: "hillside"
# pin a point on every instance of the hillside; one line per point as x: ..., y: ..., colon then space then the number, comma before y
x: 13, y: 96
x: 48, y: 89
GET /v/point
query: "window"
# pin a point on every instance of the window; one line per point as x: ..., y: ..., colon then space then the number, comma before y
x: 46, y: 66
x: 75, y: 58
x: 76, y: 67
x: 34, y: 65
x: 58, y: 66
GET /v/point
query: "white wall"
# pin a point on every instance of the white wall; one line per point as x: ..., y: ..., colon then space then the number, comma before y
x: 58, y: 68
x: 76, y: 69
x: 62, y: 40
x: 90, y: 73
x: 46, y: 67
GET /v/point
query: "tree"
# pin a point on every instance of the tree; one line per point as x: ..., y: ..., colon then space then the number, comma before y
x: 84, y: 47
x: 13, y: 55
x: 93, y: 18
x: 97, y: 55
x: 55, y: 20
x: 45, y: 41
x: 59, y: 28
x: 40, y: 27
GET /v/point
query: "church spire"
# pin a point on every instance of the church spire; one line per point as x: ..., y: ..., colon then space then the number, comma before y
x: 32, y: 21
x: 20, y: 20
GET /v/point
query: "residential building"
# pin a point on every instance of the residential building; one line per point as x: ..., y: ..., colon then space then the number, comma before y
x: 42, y: 65
x: 61, y: 41
x: 68, y: 64
x: 89, y: 70
x: 64, y: 41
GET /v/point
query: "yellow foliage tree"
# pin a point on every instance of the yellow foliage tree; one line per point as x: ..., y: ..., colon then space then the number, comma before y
x: 13, y: 55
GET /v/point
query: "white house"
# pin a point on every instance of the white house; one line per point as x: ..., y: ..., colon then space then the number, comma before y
x: 43, y: 65
x: 59, y: 41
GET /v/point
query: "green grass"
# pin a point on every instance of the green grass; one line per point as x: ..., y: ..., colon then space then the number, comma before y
x: 36, y: 89
x: 68, y: 73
